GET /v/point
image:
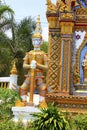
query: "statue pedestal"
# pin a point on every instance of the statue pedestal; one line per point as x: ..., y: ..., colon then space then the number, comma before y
x: 24, y: 114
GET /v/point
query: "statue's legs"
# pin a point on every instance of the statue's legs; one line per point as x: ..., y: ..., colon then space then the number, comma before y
x: 24, y: 88
x: 42, y: 90
x: 39, y: 84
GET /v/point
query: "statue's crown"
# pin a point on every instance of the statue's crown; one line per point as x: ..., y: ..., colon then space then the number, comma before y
x: 38, y: 30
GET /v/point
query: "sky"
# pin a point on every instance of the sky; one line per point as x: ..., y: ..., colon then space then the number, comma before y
x: 26, y: 8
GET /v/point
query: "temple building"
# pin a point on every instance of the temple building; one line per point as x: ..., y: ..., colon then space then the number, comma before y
x: 67, y: 54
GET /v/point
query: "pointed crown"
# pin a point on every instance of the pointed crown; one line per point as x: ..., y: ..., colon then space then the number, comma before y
x: 38, y: 30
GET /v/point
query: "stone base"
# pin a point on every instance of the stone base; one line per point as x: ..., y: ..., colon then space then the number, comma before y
x: 24, y: 114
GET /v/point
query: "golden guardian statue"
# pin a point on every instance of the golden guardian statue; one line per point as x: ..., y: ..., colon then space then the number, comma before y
x: 35, y: 62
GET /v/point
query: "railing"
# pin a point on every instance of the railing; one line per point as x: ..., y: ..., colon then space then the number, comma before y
x: 4, y: 82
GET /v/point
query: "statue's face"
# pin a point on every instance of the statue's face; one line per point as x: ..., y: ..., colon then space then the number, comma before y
x: 36, y: 42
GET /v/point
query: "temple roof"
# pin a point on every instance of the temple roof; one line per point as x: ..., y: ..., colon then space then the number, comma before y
x: 66, y: 5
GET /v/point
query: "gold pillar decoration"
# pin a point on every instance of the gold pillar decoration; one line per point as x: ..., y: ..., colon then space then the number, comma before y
x: 54, y: 53
x: 59, y: 52
x: 66, y: 27
x: 66, y: 59
x: 66, y: 65
x: 53, y: 22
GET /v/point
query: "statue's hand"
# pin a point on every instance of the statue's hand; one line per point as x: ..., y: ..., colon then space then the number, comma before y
x: 33, y: 64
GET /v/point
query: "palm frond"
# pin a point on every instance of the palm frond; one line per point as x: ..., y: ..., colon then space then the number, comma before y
x: 4, y: 9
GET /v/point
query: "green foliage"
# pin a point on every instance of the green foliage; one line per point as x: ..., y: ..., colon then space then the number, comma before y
x: 69, y: 117
x: 80, y: 122
x: 6, y: 19
x: 22, y: 37
x: 18, y: 44
x: 4, y: 8
x: 21, y: 71
x: 50, y: 119
x: 7, y: 100
x: 5, y: 62
x: 21, y: 41
x: 5, y: 55
x: 24, y: 33
x: 44, y: 47
x: 10, y: 125
x: 16, y: 47
x: 6, y: 14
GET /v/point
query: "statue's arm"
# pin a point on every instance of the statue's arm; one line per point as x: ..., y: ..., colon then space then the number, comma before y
x: 45, y: 65
x: 26, y: 64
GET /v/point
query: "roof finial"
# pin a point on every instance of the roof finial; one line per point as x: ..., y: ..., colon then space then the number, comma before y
x: 14, y: 69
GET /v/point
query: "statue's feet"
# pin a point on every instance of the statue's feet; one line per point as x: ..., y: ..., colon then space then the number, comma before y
x: 20, y: 103
x: 43, y: 104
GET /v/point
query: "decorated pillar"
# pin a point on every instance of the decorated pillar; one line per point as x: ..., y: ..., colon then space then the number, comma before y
x: 54, y: 53
x: 60, y: 52
x: 61, y: 23
x: 66, y: 25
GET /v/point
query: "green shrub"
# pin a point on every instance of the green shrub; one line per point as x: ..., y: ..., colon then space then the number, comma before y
x: 50, y: 119
x: 10, y: 125
x: 7, y: 98
x: 80, y: 122
x: 44, y: 47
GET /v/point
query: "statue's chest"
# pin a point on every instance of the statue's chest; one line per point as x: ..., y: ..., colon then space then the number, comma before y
x: 38, y: 56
